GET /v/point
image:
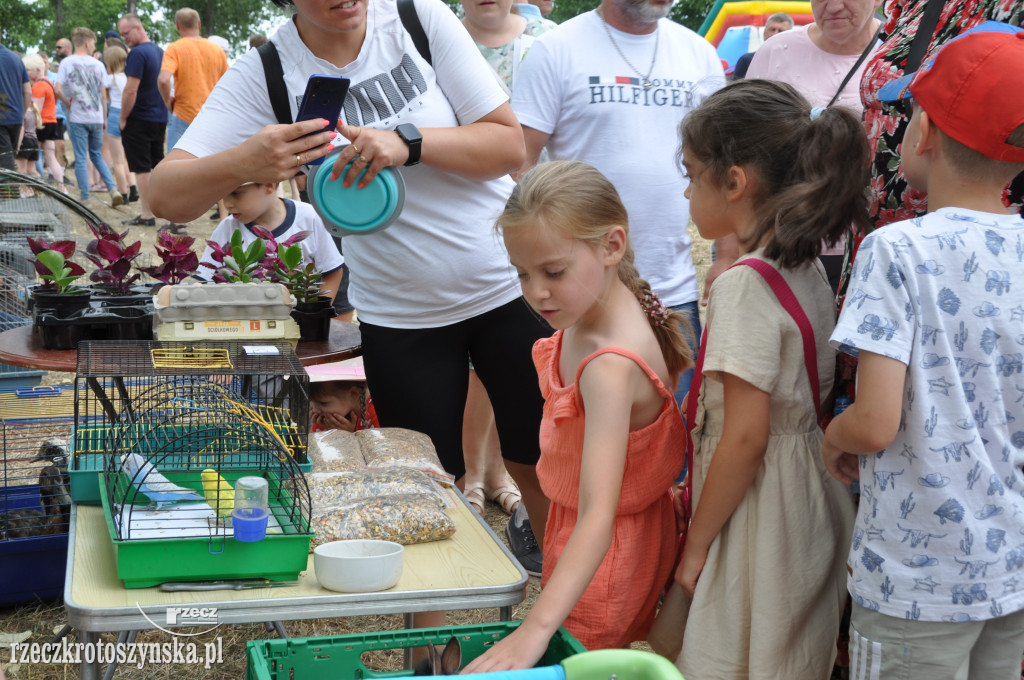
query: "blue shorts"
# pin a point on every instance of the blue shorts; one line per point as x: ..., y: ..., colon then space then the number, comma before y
x: 114, y: 122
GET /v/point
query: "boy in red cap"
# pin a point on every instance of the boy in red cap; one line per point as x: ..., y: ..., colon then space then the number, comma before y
x: 936, y: 435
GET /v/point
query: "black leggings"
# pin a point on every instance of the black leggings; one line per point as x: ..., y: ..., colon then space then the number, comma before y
x: 419, y: 377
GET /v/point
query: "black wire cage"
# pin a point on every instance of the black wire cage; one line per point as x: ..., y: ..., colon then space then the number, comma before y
x: 35, y: 501
x: 179, y: 402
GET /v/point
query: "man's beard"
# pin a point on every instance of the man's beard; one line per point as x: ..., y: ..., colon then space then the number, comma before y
x: 643, y: 12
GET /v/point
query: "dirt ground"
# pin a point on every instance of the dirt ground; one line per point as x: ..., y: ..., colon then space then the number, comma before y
x: 42, y: 620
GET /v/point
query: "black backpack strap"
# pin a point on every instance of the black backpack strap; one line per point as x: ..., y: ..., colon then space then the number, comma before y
x: 275, y: 82
x: 411, y: 22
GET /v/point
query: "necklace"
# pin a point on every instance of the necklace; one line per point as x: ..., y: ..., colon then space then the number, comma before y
x: 645, y: 79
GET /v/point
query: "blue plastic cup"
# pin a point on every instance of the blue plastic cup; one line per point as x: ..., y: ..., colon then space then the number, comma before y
x: 250, y: 524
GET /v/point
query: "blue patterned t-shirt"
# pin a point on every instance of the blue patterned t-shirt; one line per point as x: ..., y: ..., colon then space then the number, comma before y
x: 940, y: 528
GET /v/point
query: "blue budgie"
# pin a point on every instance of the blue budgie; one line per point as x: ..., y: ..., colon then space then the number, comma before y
x: 148, y: 481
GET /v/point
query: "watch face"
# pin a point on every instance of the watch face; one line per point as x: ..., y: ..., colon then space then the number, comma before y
x: 409, y: 132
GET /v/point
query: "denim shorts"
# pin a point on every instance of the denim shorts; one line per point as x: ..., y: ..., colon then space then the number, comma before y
x: 114, y: 122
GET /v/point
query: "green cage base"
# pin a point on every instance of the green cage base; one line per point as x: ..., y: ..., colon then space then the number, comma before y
x: 339, y: 657
x: 144, y: 563
x: 89, y: 451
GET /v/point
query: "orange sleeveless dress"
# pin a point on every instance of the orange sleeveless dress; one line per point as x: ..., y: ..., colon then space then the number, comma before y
x: 619, y: 604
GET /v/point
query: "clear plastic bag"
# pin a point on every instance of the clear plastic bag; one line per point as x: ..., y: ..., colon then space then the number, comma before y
x: 331, y: 489
x: 395, y: 447
x: 405, y: 519
x: 335, y: 450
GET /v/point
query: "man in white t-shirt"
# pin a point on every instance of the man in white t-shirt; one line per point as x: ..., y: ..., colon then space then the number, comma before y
x: 80, y: 88
x: 610, y: 87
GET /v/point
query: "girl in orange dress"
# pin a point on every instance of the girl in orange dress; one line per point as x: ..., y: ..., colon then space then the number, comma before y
x: 612, y: 438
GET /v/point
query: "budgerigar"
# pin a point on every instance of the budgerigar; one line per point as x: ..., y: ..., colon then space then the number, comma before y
x: 219, y: 494
x: 152, y: 484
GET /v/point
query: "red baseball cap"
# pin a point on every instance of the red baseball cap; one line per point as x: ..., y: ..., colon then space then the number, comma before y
x: 973, y: 89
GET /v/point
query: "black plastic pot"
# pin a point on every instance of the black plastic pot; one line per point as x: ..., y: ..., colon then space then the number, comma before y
x: 61, y: 305
x: 314, y: 319
x: 95, y: 323
x: 137, y: 296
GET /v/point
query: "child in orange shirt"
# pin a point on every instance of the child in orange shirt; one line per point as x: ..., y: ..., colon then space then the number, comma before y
x: 612, y: 438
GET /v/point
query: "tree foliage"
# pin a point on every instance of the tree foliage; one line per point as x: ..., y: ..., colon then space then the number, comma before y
x: 26, y: 24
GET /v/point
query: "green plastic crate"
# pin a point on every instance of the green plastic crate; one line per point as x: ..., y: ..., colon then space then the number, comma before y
x: 339, y: 657
x: 143, y: 563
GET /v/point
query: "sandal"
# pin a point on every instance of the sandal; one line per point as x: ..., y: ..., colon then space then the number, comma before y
x: 508, y: 497
x: 474, y: 494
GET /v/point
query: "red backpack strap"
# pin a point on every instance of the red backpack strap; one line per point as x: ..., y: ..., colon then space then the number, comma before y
x: 789, y: 302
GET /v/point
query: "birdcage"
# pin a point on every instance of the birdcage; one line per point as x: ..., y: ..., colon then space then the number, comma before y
x: 14, y: 313
x: 35, y: 503
x: 125, y: 385
x: 30, y: 207
x: 172, y: 464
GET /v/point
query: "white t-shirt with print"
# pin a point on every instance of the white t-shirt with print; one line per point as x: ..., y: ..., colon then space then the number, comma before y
x: 575, y: 86
x: 938, y: 534
x: 318, y: 248
x: 82, y: 78
x: 441, y: 262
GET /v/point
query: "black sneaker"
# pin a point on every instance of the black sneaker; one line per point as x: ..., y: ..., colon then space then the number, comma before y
x: 175, y: 228
x: 522, y: 542
x: 133, y: 194
x: 140, y: 222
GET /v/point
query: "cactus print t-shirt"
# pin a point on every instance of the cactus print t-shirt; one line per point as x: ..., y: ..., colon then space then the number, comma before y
x: 938, y: 534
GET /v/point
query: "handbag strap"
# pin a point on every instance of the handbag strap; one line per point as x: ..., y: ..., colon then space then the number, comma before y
x: 789, y: 302
x: 792, y: 306
x: 856, y: 65
x: 923, y: 37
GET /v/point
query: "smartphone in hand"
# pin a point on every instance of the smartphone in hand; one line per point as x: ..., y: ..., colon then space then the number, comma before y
x: 324, y: 97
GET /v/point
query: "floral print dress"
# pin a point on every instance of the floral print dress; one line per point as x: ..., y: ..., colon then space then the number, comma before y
x: 891, y: 198
x: 503, y: 59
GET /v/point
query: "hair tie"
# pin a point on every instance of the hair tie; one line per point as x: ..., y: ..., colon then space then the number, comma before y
x: 817, y: 111
x: 654, y: 308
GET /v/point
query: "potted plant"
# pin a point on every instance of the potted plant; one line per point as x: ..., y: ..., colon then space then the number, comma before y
x: 313, y: 312
x: 178, y: 261
x: 237, y: 263
x: 54, y: 266
x: 114, y: 260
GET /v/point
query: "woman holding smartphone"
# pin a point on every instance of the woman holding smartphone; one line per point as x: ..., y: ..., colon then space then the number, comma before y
x: 436, y: 287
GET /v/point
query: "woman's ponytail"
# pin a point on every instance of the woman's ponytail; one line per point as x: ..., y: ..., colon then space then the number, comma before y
x: 811, y: 175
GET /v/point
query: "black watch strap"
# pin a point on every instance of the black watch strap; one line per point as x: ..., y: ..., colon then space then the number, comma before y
x: 411, y: 135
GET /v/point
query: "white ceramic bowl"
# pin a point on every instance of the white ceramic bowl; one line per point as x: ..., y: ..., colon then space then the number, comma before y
x: 358, y: 566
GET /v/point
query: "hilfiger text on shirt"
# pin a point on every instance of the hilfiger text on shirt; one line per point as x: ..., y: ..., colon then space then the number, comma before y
x: 630, y: 90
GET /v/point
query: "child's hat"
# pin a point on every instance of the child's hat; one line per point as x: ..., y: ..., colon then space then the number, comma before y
x: 971, y: 88
x: 349, y: 369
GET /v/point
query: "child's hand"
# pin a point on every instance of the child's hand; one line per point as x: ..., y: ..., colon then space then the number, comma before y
x: 523, y: 648
x: 690, y: 568
x: 842, y: 465
x: 336, y: 421
x: 678, y: 504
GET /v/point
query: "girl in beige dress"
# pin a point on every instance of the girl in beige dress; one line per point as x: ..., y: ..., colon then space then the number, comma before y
x: 764, y: 559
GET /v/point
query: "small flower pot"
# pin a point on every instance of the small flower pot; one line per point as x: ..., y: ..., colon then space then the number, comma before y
x: 314, y: 319
x: 61, y: 305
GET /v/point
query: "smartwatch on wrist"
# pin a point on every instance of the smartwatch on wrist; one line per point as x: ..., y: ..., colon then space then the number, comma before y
x: 411, y: 135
